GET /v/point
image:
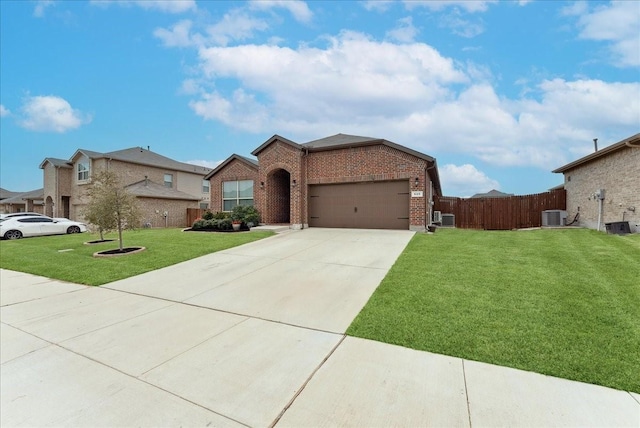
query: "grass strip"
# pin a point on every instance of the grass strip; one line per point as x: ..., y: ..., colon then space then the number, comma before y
x: 67, y: 258
x: 559, y: 302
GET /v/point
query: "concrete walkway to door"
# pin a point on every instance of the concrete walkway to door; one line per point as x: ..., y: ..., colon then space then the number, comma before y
x: 253, y: 336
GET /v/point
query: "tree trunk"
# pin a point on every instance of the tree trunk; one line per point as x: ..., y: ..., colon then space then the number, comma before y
x: 119, y: 218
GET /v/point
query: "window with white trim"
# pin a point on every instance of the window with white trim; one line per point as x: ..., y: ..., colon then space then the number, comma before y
x: 205, y: 186
x: 83, y: 168
x: 168, y: 180
x: 236, y: 193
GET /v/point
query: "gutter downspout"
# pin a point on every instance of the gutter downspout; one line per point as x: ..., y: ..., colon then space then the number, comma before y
x: 430, y: 201
x: 600, y: 199
x: 599, y: 213
x: 305, y: 201
x: 58, y: 198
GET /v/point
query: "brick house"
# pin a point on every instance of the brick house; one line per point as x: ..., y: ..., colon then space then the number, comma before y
x: 165, y: 188
x: 614, y: 169
x: 14, y: 202
x: 337, y: 181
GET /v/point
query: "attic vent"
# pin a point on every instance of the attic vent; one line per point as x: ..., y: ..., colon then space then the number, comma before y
x: 437, y: 216
x: 554, y: 218
x: 448, y: 220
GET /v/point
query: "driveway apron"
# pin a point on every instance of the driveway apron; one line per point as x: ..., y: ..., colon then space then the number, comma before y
x: 314, y: 278
x: 254, y: 336
x: 228, y: 339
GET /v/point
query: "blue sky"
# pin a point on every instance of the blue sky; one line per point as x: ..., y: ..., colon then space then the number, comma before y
x: 500, y: 93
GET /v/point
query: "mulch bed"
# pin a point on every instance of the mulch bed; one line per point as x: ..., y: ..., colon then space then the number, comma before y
x: 242, y: 229
x: 117, y: 252
x: 99, y: 241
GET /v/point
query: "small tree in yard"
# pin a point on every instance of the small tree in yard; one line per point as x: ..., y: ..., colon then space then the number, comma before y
x: 111, y: 206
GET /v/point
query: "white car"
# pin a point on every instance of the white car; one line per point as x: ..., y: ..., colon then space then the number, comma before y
x: 22, y: 214
x: 18, y: 227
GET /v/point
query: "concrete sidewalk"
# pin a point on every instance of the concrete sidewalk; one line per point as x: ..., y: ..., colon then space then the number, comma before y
x: 203, y: 344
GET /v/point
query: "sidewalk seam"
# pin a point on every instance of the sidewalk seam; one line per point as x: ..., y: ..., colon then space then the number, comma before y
x: 466, y: 393
x: 304, y: 385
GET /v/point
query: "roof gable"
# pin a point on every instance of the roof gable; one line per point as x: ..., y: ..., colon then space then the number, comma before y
x: 341, y: 141
x: 492, y: 194
x: 633, y: 141
x: 141, y: 156
x: 338, y: 140
x: 272, y: 140
x: 249, y: 162
x: 60, y: 163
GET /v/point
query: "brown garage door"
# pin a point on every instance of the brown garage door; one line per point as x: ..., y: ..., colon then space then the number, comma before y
x: 379, y: 205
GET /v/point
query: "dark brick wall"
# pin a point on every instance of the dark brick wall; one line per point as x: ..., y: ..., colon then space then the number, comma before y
x: 274, y: 158
x: 235, y: 170
x: 367, y: 163
x: 373, y: 163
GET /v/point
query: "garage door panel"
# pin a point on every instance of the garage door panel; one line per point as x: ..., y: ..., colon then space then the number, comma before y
x: 379, y: 205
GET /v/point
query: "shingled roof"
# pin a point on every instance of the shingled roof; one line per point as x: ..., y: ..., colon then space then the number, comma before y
x: 344, y: 141
x: 633, y: 141
x: 61, y: 163
x: 141, y: 156
x: 4, y: 193
x: 19, y: 198
x: 148, y: 189
x: 252, y: 163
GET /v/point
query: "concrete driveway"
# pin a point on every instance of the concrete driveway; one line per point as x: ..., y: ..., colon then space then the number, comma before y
x: 316, y: 278
x: 252, y: 336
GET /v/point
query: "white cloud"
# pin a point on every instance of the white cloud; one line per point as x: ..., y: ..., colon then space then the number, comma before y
x: 616, y: 23
x: 4, y: 111
x: 190, y: 87
x: 51, y: 114
x: 405, y: 32
x: 461, y: 26
x: 378, y: 5
x: 410, y: 94
x: 178, y: 36
x: 168, y: 6
x: 41, y: 6
x: 465, y: 180
x: 206, y: 163
x: 437, y: 5
x: 297, y: 8
x: 575, y: 9
x: 235, y: 25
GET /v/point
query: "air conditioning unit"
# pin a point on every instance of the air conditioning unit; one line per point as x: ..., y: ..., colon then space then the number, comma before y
x: 448, y: 220
x: 554, y: 218
x: 437, y: 216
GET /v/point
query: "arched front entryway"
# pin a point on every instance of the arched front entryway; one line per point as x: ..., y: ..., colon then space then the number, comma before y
x: 279, y: 197
x: 48, y: 206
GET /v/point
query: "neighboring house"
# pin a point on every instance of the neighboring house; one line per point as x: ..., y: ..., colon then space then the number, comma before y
x: 613, y: 174
x: 4, y: 194
x: 338, y: 181
x: 20, y: 202
x: 165, y: 187
x: 492, y: 194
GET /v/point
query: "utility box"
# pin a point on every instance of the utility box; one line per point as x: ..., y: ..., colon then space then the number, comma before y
x: 448, y: 220
x: 554, y: 218
x: 618, y: 227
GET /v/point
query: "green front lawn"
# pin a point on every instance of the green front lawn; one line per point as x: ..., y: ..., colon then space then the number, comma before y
x: 560, y: 302
x: 67, y: 258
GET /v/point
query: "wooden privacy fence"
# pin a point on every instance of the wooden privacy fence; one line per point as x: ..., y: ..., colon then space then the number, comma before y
x: 193, y: 214
x: 512, y: 212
